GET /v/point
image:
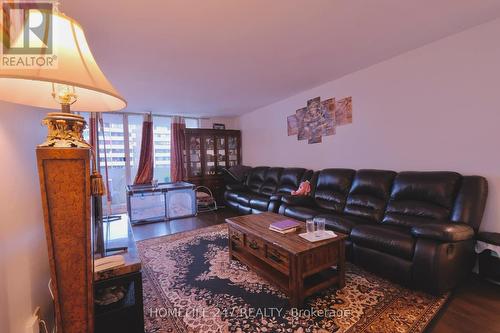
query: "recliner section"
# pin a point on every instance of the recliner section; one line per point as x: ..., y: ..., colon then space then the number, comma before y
x: 420, y: 197
x: 369, y: 193
x: 330, y: 188
x: 264, y: 188
x: 417, y: 228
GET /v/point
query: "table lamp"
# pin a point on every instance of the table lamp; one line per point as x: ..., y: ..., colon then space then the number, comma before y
x: 46, y: 62
x: 66, y: 78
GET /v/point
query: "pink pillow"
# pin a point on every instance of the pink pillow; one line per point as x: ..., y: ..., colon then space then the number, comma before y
x: 304, y: 189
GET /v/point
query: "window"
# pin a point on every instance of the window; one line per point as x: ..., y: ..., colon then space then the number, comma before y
x: 192, y: 122
x: 135, y: 137
x: 161, y: 142
x: 123, y: 152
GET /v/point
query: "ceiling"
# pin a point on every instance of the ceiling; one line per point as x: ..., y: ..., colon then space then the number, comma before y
x: 228, y: 57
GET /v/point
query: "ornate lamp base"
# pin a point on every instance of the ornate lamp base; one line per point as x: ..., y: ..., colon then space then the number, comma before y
x: 65, y: 130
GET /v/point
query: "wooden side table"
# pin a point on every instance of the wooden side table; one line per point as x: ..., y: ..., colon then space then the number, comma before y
x: 126, y: 315
x: 488, y: 248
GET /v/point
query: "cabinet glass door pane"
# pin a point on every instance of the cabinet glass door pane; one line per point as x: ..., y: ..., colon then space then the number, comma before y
x: 221, y: 153
x: 210, y: 156
x: 233, y: 150
x: 194, y: 152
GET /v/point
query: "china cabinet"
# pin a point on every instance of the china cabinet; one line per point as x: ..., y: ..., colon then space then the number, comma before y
x: 207, y: 152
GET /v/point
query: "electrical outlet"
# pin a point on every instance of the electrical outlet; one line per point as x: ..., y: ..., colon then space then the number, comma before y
x: 33, y: 324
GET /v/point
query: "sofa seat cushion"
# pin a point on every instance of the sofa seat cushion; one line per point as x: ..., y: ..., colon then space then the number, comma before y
x: 301, y: 213
x: 245, y: 198
x: 232, y: 204
x: 343, y: 222
x: 232, y: 195
x: 393, y: 240
x: 260, y: 202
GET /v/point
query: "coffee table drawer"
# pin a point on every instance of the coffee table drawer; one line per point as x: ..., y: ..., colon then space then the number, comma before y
x: 256, y: 246
x: 237, y: 237
x: 277, y: 256
x: 319, y: 259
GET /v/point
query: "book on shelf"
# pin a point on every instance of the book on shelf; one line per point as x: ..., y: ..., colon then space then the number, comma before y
x: 109, y: 262
x: 284, y: 225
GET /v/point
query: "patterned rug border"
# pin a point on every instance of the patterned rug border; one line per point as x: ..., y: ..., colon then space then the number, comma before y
x: 187, y: 233
x: 430, y: 314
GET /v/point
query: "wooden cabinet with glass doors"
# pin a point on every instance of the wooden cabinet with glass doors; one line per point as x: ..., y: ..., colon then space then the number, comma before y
x: 207, y: 151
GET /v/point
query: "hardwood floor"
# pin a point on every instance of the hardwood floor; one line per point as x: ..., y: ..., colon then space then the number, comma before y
x: 473, y: 307
x: 203, y: 220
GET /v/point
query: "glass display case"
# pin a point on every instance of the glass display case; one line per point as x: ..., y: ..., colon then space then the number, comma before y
x: 166, y: 201
x: 146, y: 205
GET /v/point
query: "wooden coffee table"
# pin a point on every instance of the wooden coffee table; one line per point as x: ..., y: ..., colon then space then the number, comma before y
x: 298, y: 267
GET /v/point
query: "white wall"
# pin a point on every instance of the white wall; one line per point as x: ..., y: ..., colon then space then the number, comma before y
x: 434, y: 108
x: 24, y: 267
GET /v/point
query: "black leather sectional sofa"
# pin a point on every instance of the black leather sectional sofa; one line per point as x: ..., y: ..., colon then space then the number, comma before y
x: 417, y: 228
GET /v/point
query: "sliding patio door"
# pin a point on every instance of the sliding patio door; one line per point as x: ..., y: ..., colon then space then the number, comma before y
x: 112, y: 152
x: 161, y: 142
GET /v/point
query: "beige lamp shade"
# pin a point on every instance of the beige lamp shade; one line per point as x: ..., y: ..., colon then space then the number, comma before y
x: 74, y: 66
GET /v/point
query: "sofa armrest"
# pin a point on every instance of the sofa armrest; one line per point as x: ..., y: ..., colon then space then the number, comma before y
x: 297, y: 200
x: 445, y: 232
x: 237, y: 187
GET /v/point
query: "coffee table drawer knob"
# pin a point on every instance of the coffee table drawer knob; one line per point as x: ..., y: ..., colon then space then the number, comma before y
x: 275, y: 256
x: 276, y: 259
x: 253, y: 245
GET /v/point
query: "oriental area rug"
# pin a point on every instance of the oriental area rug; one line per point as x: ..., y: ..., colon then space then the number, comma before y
x: 190, y: 285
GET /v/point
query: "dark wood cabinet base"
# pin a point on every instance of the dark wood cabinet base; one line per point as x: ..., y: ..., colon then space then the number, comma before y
x: 127, y: 315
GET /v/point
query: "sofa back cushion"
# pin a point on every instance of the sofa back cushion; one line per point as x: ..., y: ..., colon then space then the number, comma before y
x: 331, y: 187
x: 308, y: 175
x: 256, y: 178
x: 422, y: 197
x: 271, y: 181
x: 369, y: 194
x: 290, y: 179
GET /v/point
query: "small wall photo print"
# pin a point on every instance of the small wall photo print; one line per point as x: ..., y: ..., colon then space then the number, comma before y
x: 292, y: 125
x: 343, y: 111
